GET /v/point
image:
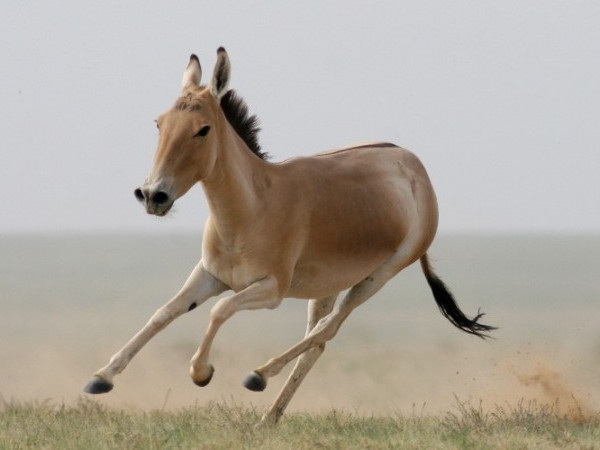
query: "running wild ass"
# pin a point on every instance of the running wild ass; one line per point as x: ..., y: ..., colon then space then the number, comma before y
x: 308, y: 227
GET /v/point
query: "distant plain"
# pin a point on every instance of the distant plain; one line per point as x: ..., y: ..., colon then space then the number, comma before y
x: 67, y: 303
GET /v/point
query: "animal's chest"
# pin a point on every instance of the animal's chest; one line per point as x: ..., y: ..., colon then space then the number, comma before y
x: 236, y: 266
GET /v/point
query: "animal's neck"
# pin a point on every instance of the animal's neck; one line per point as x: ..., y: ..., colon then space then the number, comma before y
x: 236, y: 187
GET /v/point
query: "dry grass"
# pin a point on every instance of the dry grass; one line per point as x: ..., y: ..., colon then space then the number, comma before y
x: 93, y: 426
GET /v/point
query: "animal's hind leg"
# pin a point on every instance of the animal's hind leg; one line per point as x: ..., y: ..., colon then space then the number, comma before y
x: 328, y: 326
x: 317, y: 309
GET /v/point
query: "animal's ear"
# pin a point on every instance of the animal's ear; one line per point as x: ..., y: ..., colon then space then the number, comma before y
x: 192, y: 74
x: 220, y: 78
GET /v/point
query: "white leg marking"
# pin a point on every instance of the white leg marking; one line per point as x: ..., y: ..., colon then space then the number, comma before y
x: 317, y: 309
x: 262, y: 294
x: 327, y: 327
x: 199, y: 287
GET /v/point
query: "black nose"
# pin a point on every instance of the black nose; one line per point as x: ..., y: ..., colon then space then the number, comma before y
x: 139, y: 195
x: 159, y: 198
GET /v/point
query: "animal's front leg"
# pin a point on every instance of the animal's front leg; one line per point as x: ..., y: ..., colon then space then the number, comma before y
x: 199, y: 287
x: 261, y: 294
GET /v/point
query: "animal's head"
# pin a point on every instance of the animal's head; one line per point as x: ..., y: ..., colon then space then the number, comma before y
x: 188, y: 137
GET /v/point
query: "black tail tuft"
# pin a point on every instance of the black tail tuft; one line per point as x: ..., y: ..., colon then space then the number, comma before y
x: 448, y: 306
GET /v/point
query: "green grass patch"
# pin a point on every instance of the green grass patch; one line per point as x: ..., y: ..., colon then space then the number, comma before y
x: 89, y: 425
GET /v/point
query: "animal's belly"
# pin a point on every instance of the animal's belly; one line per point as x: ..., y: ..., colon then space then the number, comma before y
x: 321, y: 279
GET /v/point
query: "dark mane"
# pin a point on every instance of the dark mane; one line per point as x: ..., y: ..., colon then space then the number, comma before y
x: 245, y: 125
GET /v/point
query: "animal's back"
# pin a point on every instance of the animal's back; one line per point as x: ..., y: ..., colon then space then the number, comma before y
x: 368, y: 192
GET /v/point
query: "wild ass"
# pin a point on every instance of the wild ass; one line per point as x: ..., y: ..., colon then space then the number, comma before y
x: 307, y: 228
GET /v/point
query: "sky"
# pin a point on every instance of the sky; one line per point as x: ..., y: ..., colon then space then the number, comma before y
x: 500, y: 100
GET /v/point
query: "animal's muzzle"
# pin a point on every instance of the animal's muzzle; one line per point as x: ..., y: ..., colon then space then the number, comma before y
x: 156, y: 202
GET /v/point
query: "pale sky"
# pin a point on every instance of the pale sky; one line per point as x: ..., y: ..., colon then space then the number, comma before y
x: 500, y: 100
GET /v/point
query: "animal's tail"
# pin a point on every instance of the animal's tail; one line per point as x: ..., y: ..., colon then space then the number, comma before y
x: 448, y: 306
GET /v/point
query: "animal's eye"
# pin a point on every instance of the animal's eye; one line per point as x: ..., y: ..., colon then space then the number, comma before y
x: 203, y: 131
x: 157, y: 126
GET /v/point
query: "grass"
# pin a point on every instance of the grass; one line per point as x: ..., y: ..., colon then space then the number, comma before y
x: 89, y: 425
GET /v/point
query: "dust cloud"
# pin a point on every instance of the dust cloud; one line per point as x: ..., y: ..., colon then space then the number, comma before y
x: 555, y: 391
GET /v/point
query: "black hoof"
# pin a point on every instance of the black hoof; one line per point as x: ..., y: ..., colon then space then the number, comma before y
x: 255, y: 382
x: 97, y: 386
x: 204, y: 382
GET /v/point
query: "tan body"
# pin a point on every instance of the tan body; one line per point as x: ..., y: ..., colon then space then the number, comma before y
x: 308, y: 227
x: 324, y: 223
